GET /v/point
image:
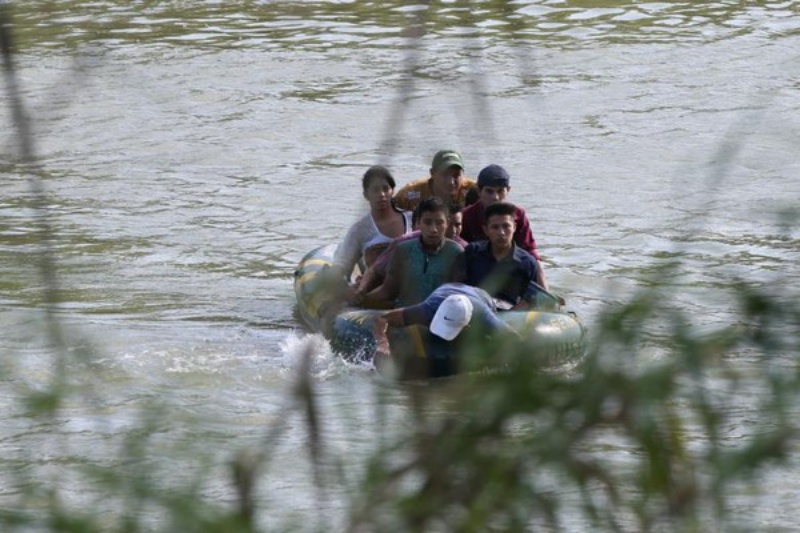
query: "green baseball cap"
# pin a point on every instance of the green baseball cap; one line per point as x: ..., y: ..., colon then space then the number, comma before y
x: 445, y: 159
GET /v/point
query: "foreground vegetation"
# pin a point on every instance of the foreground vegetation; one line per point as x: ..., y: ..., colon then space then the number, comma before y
x: 619, y: 443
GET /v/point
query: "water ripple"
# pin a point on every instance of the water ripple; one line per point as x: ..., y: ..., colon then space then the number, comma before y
x: 380, y: 24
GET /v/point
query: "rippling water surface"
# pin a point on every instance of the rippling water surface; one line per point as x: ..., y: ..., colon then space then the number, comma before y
x: 192, y: 154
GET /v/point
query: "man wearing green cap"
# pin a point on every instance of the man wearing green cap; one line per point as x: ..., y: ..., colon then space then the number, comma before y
x: 446, y: 182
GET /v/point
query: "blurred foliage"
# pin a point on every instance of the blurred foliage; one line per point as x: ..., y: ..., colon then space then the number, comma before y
x: 510, y: 451
x: 521, y: 449
x: 507, y: 451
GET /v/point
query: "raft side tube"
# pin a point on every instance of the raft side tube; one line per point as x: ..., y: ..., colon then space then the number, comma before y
x: 555, y: 338
x: 315, y: 286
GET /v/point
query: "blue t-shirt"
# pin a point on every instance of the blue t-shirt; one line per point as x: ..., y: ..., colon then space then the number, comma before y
x: 482, y: 307
x: 511, y: 279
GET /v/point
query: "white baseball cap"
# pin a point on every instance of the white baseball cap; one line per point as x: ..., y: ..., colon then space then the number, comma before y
x: 452, y: 316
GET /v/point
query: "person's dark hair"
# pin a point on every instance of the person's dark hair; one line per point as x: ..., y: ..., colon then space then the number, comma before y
x: 500, y: 208
x: 377, y: 172
x: 471, y: 197
x: 453, y: 209
x: 431, y: 205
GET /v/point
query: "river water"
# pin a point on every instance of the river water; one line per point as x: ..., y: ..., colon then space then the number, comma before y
x: 192, y: 152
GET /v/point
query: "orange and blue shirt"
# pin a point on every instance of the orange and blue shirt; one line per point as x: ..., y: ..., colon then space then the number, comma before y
x: 411, y: 194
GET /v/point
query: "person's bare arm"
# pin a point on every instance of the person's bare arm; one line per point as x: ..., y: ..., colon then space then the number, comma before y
x: 387, y: 292
x: 393, y: 318
x: 382, y: 358
x: 540, y: 278
x: 367, y: 282
x: 380, y: 298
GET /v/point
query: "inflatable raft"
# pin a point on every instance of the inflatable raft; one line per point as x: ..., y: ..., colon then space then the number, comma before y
x: 554, y: 337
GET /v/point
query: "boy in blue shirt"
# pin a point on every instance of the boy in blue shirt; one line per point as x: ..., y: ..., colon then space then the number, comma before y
x: 498, y: 265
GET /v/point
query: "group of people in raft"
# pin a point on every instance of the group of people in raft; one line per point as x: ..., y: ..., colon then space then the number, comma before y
x: 443, y: 251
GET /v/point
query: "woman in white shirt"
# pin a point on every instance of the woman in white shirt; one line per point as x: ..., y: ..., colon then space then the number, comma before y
x: 370, y: 235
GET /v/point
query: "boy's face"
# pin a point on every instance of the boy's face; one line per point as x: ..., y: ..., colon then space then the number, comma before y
x: 454, y: 225
x: 491, y: 195
x: 433, y: 225
x: 500, y: 230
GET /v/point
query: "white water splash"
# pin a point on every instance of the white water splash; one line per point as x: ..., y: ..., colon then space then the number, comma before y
x: 325, y: 363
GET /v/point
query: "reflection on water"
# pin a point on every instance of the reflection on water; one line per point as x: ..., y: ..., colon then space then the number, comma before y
x: 310, y: 25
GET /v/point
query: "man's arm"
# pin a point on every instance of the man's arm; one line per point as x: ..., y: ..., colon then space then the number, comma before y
x: 534, y: 289
x: 393, y: 318
x: 540, y: 279
x: 376, y: 273
x: 382, y: 358
x: 523, y: 237
x: 387, y: 292
x: 396, y: 318
x: 380, y: 298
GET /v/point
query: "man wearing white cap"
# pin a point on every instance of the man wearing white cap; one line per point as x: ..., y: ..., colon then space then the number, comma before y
x: 446, y: 311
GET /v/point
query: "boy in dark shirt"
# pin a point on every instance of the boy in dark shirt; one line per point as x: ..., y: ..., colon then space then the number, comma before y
x: 498, y: 265
x: 494, y: 184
